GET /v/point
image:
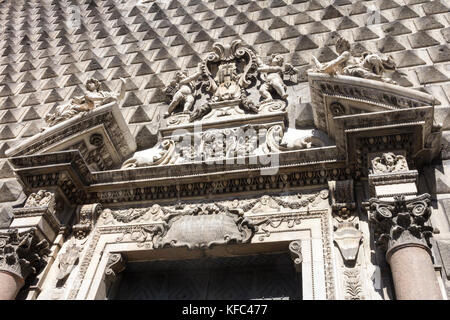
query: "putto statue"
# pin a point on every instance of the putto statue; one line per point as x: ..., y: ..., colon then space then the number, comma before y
x: 182, y: 88
x: 92, y: 98
x: 272, y: 76
x: 369, y: 65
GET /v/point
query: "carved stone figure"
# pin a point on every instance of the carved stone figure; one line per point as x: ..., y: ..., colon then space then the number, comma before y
x: 277, y: 140
x: 87, y: 214
x: 39, y: 199
x: 369, y: 66
x: 160, y: 154
x: 227, y: 86
x: 92, y: 98
x: 389, y: 162
x: 272, y: 76
x: 184, y: 88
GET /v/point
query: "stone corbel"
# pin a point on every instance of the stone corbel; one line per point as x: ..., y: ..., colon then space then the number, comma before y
x: 346, y: 234
x: 116, y: 263
x: 295, y: 250
x: 87, y: 215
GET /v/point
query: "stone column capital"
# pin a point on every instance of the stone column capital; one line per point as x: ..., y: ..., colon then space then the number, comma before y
x: 22, y: 253
x: 401, y: 222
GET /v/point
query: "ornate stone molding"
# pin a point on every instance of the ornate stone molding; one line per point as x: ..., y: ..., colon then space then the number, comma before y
x: 141, y: 234
x: 22, y: 253
x: 401, y: 222
x: 264, y: 204
x: 353, y: 287
x: 201, y: 226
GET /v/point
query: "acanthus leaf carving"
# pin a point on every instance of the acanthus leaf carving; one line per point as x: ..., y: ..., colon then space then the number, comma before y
x: 401, y: 221
x: 22, y: 253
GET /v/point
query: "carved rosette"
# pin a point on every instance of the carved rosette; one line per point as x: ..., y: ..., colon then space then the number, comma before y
x: 401, y: 222
x: 21, y: 253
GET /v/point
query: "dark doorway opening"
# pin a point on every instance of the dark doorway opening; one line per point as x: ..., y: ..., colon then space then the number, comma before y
x: 263, y: 276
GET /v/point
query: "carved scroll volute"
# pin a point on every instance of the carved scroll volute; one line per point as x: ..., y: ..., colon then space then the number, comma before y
x: 87, y: 215
x: 116, y: 263
x: 295, y: 249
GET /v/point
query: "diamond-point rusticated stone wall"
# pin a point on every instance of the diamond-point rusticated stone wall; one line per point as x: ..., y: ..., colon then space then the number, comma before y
x: 48, y: 50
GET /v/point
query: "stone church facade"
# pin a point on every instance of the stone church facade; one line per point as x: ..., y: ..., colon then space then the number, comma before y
x: 225, y: 149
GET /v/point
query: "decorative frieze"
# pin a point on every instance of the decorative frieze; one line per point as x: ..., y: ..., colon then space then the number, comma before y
x: 401, y: 221
x: 22, y: 253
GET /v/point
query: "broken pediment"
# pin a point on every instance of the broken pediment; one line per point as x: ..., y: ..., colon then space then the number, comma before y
x: 101, y: 135
x: 363, y: 113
